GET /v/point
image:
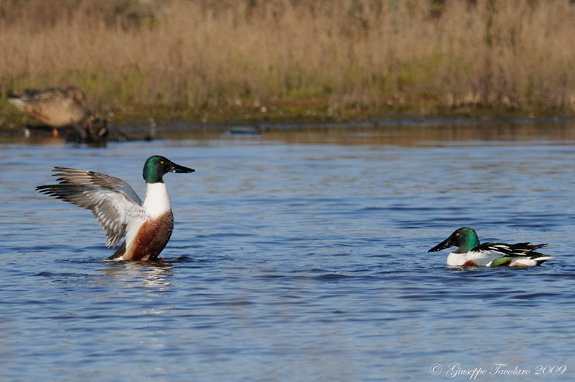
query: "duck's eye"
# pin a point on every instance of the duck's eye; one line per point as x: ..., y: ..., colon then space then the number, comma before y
x: 457, y: 234
x: 161, y: 162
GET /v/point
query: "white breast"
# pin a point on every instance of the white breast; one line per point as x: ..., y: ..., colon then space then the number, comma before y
x: 456, y: 259
x: 157, y: 200
x: 481, y: 258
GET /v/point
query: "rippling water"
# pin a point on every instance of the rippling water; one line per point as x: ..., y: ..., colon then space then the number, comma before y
x: 297, y: 255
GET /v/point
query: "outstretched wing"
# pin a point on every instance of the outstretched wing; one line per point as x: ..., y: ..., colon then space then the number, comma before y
x: 112, y: 201
x: 90, y: 178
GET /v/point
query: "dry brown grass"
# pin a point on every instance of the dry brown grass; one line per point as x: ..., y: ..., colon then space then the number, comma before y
x: 400, y: 55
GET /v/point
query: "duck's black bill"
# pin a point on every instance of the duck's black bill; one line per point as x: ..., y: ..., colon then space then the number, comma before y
x: 444, y: 244
x: 181, y: 169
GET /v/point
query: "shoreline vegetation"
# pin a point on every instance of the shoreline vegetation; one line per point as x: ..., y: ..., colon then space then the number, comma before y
x: 289, y: 61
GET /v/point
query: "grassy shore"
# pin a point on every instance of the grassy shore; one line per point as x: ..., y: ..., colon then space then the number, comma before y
x: 229, y: 61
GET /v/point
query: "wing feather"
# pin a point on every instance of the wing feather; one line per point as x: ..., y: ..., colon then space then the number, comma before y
x: 82, y: 177
x: 112, y: 201
x: 519, y: 249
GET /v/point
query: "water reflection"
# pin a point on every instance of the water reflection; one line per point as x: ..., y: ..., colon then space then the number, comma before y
x: 152, y: 274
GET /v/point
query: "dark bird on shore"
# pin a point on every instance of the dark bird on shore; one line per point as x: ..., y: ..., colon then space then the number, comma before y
x: 55, y: 107
x: 94, y: 132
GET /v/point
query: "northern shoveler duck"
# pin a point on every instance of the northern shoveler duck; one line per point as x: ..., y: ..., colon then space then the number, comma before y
x: 55, y: 107
x: 147, y: 226
x: 471, y: 253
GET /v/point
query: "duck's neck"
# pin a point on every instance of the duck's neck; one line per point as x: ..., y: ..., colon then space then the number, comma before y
x: 470, y: 244
x: 157, y: 199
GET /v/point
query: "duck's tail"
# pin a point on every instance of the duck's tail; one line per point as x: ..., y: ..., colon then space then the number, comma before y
x: 18, y: 102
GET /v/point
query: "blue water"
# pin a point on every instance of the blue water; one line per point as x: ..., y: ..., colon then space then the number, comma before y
x: 297, y: 255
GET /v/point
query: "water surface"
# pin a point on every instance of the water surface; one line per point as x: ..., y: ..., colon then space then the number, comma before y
x: 300, y: 254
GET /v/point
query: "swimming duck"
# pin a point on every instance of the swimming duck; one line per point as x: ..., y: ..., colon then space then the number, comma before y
x: 54, y: 106
x: 147, y: 226
x: 471, y: 253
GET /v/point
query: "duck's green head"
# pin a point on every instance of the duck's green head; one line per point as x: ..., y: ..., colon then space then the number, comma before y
x: 156, y: 166
x: 465, y: 238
